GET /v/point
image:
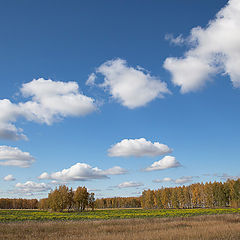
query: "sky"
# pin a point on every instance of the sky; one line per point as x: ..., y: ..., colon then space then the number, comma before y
x: 118, y: 96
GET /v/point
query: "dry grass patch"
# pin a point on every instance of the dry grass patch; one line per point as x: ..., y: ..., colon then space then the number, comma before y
x: 200, y: 227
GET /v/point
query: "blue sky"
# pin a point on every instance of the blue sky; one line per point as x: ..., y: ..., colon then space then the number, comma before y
x: 124, y: 95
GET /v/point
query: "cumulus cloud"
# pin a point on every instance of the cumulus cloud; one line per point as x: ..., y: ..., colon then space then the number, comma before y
x: 31, y: 187
x: 50, y: 101
x: 164, y: 163
x: 13, y: 156
x: 138, y: 148
x: 9, y: 178
x: 129, y: 184
x: 129, y: 86
x: 180, y: 181
x: 82, y: 172
x: 213, y: 49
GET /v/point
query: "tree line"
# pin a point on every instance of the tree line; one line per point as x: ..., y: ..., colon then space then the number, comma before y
x: 18, y: 203
x: 199, y: 195
x: 118, y: 202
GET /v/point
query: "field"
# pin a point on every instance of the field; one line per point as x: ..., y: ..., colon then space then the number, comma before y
x: 27, y: 215
x: 226, y: 226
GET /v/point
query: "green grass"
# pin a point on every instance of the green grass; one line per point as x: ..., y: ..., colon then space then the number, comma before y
x: 26, y: 215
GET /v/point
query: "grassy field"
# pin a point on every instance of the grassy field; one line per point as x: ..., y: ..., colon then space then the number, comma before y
x: 27, y: 215
x: 225, y: 227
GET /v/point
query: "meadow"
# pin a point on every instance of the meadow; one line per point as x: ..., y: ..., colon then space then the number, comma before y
x: 38, y: 215
x: 220, y: 227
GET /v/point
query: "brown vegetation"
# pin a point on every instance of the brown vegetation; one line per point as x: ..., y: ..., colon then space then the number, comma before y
x: 198, y: 195
x: 201, y: 227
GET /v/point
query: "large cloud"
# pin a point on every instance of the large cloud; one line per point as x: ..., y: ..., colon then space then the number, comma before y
x: 129, y: 86
x: 82, y: 172
x: 138, y: 147
x: 214, y: 49
x: 31, y: 187
x: 50, y: 101
x: 129, y: 184
x: 13, y: 156
x: 164, y: 163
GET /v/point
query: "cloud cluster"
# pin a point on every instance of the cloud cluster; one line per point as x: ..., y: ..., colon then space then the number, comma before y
x: 13, y: 156
x: 132, y: 87
x: 50, y: 101
x: 181, y: 180
x: 214, y: 49
x: 165, y: 163
x: 31, y: 187
x: 129, y: 184
x: 138, y: 148
x: 9, y: 178
x: 223, y: 176
x: 82, y: 172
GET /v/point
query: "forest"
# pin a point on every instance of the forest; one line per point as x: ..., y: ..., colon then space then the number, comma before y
x: 198, y: 195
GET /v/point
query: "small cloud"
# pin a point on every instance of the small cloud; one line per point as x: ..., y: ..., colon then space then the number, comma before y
x: 9, y: 178
x: 13, y: 156
x: 91, y: 79
x: 164, y: 163
x: 166, y: 179
x: 115, y: 171
x: 129, y: 184
x: 138, y: 148
x: 180, y: 181
x: 179, y: 40
x: 183, y: 180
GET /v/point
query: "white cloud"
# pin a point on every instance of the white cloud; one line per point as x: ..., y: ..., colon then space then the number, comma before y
x: 9, y: 178
x: 129, y: 86
x: 166, y: 179
x: 13, y: 156
x: 31, y: 187
x: 9, y: 112
x: 138, y: 147
x: 214, y: 49
x: 115, y: 171
x: 9, y: 132
x: 129, y: 184
x: 181, y: 180
x: 226, y: 176
x: 179, y: 40
x: 91, y: 79
x: 164, y: 163
x: 82, y: 172
x: 53, y: 100
x: 50, y: 101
